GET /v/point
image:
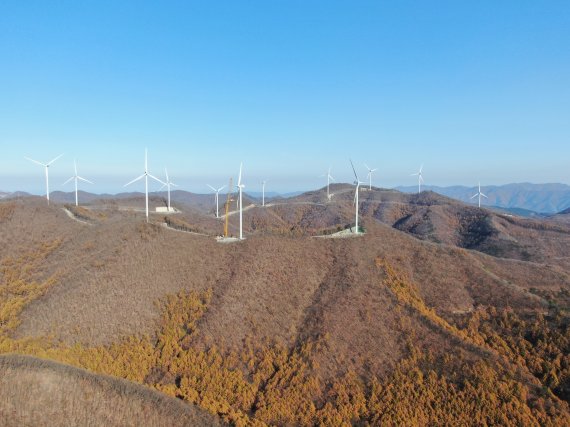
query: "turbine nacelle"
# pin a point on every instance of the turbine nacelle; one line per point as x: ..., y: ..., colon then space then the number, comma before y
x: 46, y: 166
x: 145, y: 175
x: 76, y: 177
x: 480, y: 194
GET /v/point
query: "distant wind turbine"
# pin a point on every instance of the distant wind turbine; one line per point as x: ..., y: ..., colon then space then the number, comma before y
x: 420, y: 178
x: 479, y: 194
x: 329, y: 179
x: 357, y: 183
x: 46, y: 165
x: 263, y: 193
x: 145, y: 175
x: 240, y: 186
x: 167, y: 184
x: 370, y: 175
x: 76, y: 178
x: 217, y: 191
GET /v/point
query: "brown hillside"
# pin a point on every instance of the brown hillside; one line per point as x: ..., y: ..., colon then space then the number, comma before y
x: 323, y: 308
x: 283, y: 288
x: 41, y: 392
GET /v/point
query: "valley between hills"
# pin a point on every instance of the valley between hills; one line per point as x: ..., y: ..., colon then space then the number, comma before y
x: 441, y: 313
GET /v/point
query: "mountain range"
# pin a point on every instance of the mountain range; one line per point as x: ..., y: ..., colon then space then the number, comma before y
x: 522, y: 199
x: 537, y: 198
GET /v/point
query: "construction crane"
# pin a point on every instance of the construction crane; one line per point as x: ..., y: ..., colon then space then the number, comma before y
x: 228, y: 202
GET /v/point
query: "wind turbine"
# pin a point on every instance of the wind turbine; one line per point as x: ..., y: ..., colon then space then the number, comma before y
x: 145, y: 175
x: 479, y: 194
x: 263, y: 193
x: 329, y: 179
x: 370, y: 176
x: 167, y: 184
x: 357, y: 183
x: 240, y: 186
x: 46, y: 165
x: 217, y: 191
x: 420, y: 178
x: 76, y: 178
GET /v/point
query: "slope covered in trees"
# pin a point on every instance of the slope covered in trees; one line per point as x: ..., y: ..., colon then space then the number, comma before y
x: 385, y: 329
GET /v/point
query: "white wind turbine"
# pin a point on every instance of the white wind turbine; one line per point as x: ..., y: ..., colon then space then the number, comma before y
x: 167, y: 184
x: 46, y: 165
x: 370, y: 176
x: 329, y: 179
x: 76, y: 178
x: 357, y: 183
x: 217, y: 191
x: 420, y: 176
x: 263, y: 193
x: 240, y: 186
x: 479, y: 194
x: 145, y: 175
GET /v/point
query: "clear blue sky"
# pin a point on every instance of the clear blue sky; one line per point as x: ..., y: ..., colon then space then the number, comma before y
x: 475, y: 90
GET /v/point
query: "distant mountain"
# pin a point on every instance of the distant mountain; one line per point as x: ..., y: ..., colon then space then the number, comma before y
x: 539, y: 198
x: 14, y: 195
x: 529, y: 200
x: 273, y: 194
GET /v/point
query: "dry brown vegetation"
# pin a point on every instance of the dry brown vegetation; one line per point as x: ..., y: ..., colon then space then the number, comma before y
x: 391, y: 328
x: 36, y: 392
x: 86, y: 214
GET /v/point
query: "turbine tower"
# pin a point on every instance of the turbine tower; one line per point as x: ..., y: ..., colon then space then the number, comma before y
x: 145, y: 175
x: 370, y: 176
x: 357, y: 183
x: 240, y: 186
x: 263, y: 193
x: 479, y: 194
x: 46, y: 165
x: 168, y: 184
x: 217, y: 191
x: 329, y: 179
x: 76, y: 178
x: 420, y: 176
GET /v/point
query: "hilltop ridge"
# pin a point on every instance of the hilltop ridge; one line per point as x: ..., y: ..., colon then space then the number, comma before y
x: 429, y: 276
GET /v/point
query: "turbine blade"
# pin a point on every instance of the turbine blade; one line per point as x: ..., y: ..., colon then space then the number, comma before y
x: 68, y: 180
x: 75, y: 166
x: 239, y: 178
x: 213, y: 189
x: 366, y: 166
x: 166, y: 173
x: 35, y: 161
x: 54, y: 159
x: 354, y: 170
x: 135, y: 180
x: 83, y: 179
x: 474, y: 195
x: 484, y: 196
x: 221, y: 188
x: 156, y: 179
x: 331, y: 178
